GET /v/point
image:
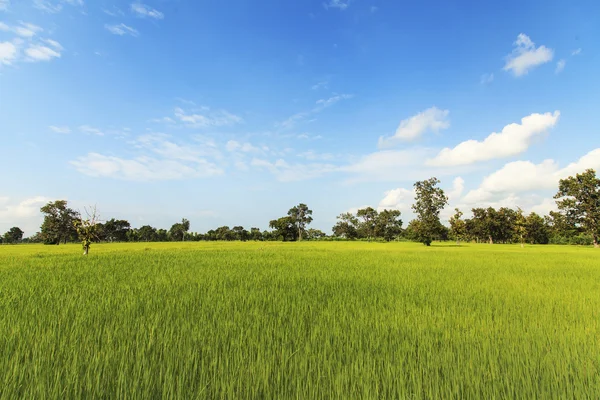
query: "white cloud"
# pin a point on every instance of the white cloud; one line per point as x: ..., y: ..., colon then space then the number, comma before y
x: 53, y: 7
x: 60, y: 129
x: 486, y: 79
x: 24, y: 29
x: 121, y: 29
x: 90, y: 130
x: 143, y: 10
x: 320, y: 105
x: 433, y: 119
x: 525, y: 176
x: 397, y: 199
x: 233, y: 146
x: 458, y: 186
x: 320, y: 85
x: 39, y: 52
x: 526, y: 56
x: 312, y: 156
x: 576, y: 52
x: 25, y: 214
x: 114, y: 12
x: 204, y: 118
x: 339, y: 4
x: 4, y: 4
x: 514, y: 139
x: 285, y: 172
x: 142, y: 168
x: 560, y: 66
x: 8, y: 53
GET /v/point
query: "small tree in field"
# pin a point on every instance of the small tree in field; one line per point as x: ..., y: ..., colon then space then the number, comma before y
x: 429, y: 201
x: 87, y: 229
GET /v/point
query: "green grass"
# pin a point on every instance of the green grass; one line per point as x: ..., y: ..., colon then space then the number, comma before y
x: 299, y: 320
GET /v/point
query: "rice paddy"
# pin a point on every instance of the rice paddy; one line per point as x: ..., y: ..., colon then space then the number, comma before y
x: 299, y: 320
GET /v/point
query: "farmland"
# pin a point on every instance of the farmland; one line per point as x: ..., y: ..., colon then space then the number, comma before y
x: 299, y: 320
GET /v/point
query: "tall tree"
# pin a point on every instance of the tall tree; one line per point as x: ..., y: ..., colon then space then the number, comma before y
x: 388, y: 224
x: 115, y: 230
x: 458, y: 229
x: 367, y: 225
x: 347, y: 226
x: 536, y: 229
x: 520, y: 226
x: 579, y: 197
x: 58, y: 222
x: 301, y: 217
x: 146, y: 233
x: 284, y: 228
x: 14, y: 235
x: 429, y: 201
x: 179, y: 229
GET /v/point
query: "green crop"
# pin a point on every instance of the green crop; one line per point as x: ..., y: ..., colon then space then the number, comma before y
x: 299, y: 320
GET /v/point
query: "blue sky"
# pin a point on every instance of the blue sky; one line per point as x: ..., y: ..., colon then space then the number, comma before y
x: 231, y: 113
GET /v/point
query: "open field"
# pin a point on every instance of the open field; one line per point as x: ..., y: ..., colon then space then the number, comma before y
x: 299, y: 320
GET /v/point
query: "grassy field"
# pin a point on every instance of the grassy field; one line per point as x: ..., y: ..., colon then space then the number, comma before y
x: 299, y: 320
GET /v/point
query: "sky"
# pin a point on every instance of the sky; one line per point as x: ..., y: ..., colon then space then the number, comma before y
x: 230, y: 113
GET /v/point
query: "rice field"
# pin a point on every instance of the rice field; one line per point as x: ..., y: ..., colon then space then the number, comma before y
x: 299, y: 321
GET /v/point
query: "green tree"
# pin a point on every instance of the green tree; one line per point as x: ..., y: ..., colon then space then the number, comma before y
x: 458, y: 228
x: 240, y: 233
x: 430, y: 200
x: 256, y: 234
x: 301, y: 216
x: 388, y: 224
x: 180, y: 229
x: 58, y: 222
x: 536, y: 229
x: 315, y: 234
x: 14, y: 235
x: 366, y: 227
x: 146, y: 233
x: 346, y: 227
x: 284, y: 228
x: 115, y: 230
x: 579, y: 197
x: 520, y: 226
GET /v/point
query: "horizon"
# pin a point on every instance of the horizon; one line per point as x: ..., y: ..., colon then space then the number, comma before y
x: 163, y: 110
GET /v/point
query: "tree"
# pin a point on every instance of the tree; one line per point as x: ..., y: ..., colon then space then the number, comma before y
x: 429, y: 201
x: 388, y: 224
x: 87, y: 229
x: 366, y: 227
x: 520, y: 226
x: 315, y: 234
x: 146, y: 233
x: 240, y: 233
x: 14, y: 235
x: 284, y: 228
x: 255, y: 234
x: 536, y: 229
x: 347, y: 226
x: 178, y: 230
x: 579, y: 197
x: 458, y: 228
x: 58, y: 222
x: 301, y: 217
x: 115, y: 230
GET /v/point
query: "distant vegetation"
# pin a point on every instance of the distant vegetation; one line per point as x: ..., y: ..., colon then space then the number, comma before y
x: 576, y: 222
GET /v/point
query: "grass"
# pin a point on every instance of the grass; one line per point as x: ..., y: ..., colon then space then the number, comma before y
x: 299, y: 320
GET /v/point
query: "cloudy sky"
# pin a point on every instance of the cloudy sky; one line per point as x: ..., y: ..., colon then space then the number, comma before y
x: 230, y: 113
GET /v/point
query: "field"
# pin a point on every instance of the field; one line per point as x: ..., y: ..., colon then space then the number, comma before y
x: 299, y: 320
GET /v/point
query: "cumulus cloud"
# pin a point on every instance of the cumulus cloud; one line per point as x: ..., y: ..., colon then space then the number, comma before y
x: 512, y: 140
x: 142, y: 10
x: 525, y: 176
x: 433, y: 119
x: 121, y: 30
x: 23, y: 29
x: 8, y: 53
x: 40, y: 52
x: 25, y: 213
x: 526, y: 56
x: 397, y: 199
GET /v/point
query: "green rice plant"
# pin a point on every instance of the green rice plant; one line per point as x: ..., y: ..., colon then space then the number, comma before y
x: 299, y: 320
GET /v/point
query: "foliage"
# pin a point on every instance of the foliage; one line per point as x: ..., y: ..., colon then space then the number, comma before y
x: 58, y: 222
x: 429, y: 201
x: 579, y: 198
x: 300, y: 216
x: 14, y: 235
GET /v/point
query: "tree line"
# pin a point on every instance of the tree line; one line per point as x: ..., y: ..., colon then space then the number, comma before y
x: 577, y: 221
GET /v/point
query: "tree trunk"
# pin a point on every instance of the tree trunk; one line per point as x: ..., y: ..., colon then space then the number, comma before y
x: 491, y: 240
x: 86, y: 250
x: 596, y: 245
